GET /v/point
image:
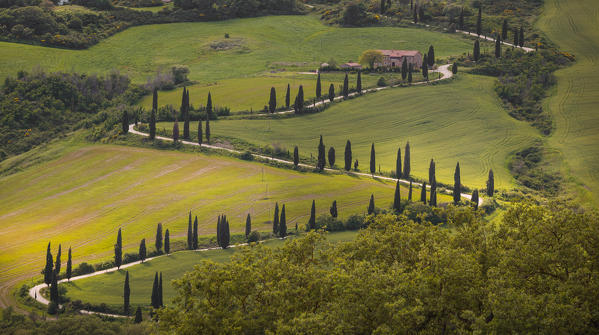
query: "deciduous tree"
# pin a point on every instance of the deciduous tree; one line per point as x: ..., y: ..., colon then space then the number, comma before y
x: 370, y: 58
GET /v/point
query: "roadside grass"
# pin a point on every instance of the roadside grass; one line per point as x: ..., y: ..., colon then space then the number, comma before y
x: 108, y: 288
x: 263, y: 44
x: 461, y: 121
x: 81, y: 199
x: 573, y: 26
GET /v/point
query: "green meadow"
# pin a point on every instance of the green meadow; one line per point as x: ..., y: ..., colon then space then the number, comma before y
x: 108, y: 288
x: 459, y: 121
x: 573, y: 26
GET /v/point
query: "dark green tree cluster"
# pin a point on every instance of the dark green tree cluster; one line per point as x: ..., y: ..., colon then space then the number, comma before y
x: 223, y: 235
x: 157, y: 300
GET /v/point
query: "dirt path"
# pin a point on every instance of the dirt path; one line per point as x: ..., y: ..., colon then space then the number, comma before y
x: 493, y: 40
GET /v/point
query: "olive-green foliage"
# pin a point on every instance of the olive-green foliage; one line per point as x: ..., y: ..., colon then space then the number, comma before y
x: 534, y: 271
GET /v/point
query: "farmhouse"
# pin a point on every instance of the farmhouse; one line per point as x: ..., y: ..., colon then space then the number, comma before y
x: 395, y: 58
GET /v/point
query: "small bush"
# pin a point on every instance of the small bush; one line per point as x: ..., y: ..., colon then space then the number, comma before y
x: 381, y: 82
x: 247, y: 155
x: 354, y: 222
x: 82, y: 269
x: 254, y: 236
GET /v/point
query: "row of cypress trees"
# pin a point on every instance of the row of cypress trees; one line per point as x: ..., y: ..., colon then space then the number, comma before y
x: 279, y: 224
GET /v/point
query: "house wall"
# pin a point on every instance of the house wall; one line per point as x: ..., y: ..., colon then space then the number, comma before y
x: 416, y: 61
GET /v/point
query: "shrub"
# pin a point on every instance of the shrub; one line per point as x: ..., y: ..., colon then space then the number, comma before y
x: 381, y: 82
x: 82, y: 269
x: 329, y: 223
x: 354, y: 222
x: 254, y: 236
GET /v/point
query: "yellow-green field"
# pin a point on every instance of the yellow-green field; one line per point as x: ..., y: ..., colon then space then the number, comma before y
x: 572, y: 24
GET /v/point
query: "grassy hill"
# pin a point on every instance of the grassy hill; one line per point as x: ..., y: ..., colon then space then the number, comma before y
x: 81, y: 199
x: 460, y: 121
x: 573, y: 26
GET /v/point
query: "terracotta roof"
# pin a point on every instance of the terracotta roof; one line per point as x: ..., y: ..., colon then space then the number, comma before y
x: 399, y: 53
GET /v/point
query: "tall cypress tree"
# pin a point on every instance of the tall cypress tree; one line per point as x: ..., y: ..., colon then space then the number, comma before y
x: 283, y: 223
x: 331, y: 92
x: 404, y: 69
x: 158, y: 241
x: 142, y: 250
x: 318, y: 87
x: 333, y: 209
x: 498, y: 47
x: 155, y: 301
x: 48, y: 269
x: 321, y: 156
x: 153, y: 114
x: 189, y: 233
x: 200, y: 132
x: 298, y: 106
x: 398, y: 164
x: 516, y: 38
x: 288, y: 96
x: 57, y: 264
x: 479, y: 25
x: 208, y: 115
x: 185, y: 114
x: 432, y: 179
x: 454, y: 68
x: 397, y: 199
x: 425, y: 67
x: 275, y: 221
x: 218, y: 234
x: 359, y: 83
x: 476, y: 52
x: 331, y: 156
x: 312, y: 220
x: 415, y: 14
x: 126, y: 295
x: 248, y: 225
x: 160, y: 301
x: 410, y: 191
x: 521, y: 37
x: 457, y: 185
x: 345, y: 86
x: 410, y: 70
x: 504, y: 29
x: 348, y: 156
x: 296, y: 156
x: 176, y: 131
x: 194, y: 238
x: 69, y: 271
x: 272, y: 102
x: 372, y: 160
x: 167, y: 242
x: 431, y: 56
x: 461, y: 20
x: 118, y: 250
x: 406, y: 162
x: 138, y: 316
x: 423, y: 193
x: 125, y: 122
x: 475, y: 199
x: 225, y: 234
x: 491, y: 184
x: 371, y: 205
x: 433, y: 196
x: 54, y: 288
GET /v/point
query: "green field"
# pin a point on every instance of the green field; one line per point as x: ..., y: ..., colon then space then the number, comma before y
x: 108, y: 288
x: 262, y: 44
x: 573, y: 26
x: 462, y: 120
x: 83, y: 197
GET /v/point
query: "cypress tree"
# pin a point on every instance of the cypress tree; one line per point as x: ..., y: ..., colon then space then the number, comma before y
x: 153, y: 114
x: 461, y: 20
x: 432, y: 179
x: 275, y: 221
x: 382, y: 7
x: 288, y: 96
x: 125, y: 122
x: 194, y: 238
x: 155, y: 301
x: 371, y: 205
x: 142, y: 250
x: 359, y: 83
x: 57, y: 264
x: 333, y: 209
x: 498, y: 47
x: 49, y: 266
x: 406, y: 161
x: 248, y: 225
x: 476, y: 52
x: 397, y: 199
x: 312, y: 220
x: 126, y: 294
x: 208, y: 114
x: 345, y: 86
x: 516, y: 39
x: 69, y: 271
x: 225, y: 234
x: 298, y: 106
x: 421, y: 13
x: 404, y: 69
x: 138, y: 317
x: 423, y: 193
x: 415, y: 14
x: 118, y: 250
x: 398, y: 164
x: 331, y: 156
x: 410, y: 74
x: 167, y: 242
x: 321, y: 158
x: 296, y: 156
x: 521, y: 37
x: 189, y: 233
x: 410, y: 191
x: 425, y: 67
x: 331, y: 92
x: 372, y: 160
x: 348, y: 156
x: 431, y: 56
x: 479, y: 25
x: 283, y: 223
x: 318, y: 87
x: 475, y: 199
x: 218, y: 233
x: 200, y: 132
x: 160, y: 301
x: 433, y: 195
x: 185, y: 114
x: 176, y: 131
x: 491, y: 184
x: 504, y: 29
x: 54, y: 288
x: 158, y: 242
x: 272, y: 102
x: 457, y: 185
x: 454, y: 68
